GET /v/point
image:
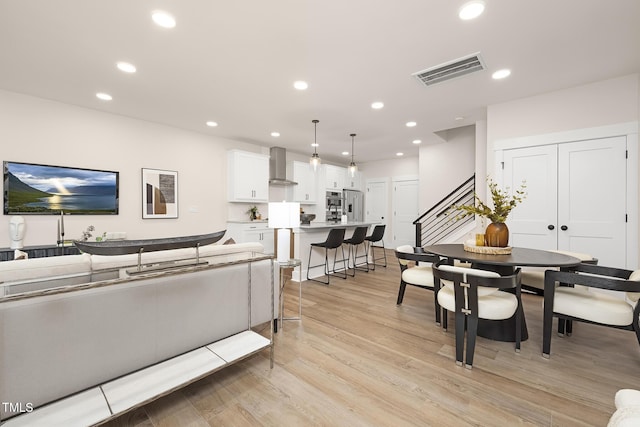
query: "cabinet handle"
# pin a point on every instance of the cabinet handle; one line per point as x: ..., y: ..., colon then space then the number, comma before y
x: 564, y: 228
x: 550, y: 226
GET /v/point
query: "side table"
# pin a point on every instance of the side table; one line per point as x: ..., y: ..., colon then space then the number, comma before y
x: 287, y: 265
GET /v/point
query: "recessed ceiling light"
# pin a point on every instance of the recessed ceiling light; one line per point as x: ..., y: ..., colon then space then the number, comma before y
x: 417, y: 141
x: 315, y: 144
x: 377, y: 105
x: 458, y: 118
x: 163, y: 19
x: 411, y: 124
x: 212, y: 124
x: 399, y: 154
x: 275, y: 134
x: 300, y: 85
x: 501, y: 74
x: 471, y: 10
x: 126, y: 67
x: 345, y: 153
x: 104, y: 96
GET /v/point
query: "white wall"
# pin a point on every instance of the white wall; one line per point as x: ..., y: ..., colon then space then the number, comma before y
x: 446, y: 165
x: 597, y: 104
x: 35, y: 130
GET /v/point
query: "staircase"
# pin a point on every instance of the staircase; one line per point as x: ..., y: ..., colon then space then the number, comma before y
x: 439, y: 224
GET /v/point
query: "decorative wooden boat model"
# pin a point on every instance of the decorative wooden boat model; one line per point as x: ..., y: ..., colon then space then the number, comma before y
x: 123, y: 247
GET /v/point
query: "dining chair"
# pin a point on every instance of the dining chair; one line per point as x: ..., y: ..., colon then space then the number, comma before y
x: 533, y: 277
x: 577, y: 295
x: 415, y: 270
x: 474, y: 294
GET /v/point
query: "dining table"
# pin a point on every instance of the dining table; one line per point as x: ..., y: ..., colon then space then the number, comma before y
x: 503, y: 264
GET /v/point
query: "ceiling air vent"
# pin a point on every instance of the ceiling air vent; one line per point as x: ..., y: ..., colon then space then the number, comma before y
x: 451, y: 70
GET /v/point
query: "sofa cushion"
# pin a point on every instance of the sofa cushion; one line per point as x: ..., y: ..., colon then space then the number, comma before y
x: 37, y: 268
x: 628, y: 409
x: 43, y: 273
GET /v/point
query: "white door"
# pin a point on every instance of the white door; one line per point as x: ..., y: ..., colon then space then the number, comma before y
x: 592, y: 210
x: 376, y: 202
x: 579, y: 205
x: 405, y: 211
x: 532, y: 224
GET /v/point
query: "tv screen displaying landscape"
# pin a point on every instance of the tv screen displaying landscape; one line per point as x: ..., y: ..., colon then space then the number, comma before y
x: 43, y: 189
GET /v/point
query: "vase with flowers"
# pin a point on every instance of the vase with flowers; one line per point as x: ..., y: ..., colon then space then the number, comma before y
x: 497, y: 232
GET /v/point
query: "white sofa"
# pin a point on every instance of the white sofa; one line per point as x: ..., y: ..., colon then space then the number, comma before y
x: 627, y: 412
x: 55, y: 345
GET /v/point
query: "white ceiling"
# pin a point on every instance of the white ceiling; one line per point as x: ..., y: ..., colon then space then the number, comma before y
x: 235, y: 62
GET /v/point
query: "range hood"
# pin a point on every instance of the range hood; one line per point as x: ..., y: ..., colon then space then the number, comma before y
x: 278, y: 167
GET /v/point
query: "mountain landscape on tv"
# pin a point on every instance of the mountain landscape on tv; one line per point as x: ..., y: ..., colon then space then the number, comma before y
x: 74, y: 191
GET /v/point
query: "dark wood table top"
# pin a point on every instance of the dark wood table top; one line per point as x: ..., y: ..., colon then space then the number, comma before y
x: 519, y: 257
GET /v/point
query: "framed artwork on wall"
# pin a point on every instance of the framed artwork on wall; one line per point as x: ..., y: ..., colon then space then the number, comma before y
x: 159, y: 194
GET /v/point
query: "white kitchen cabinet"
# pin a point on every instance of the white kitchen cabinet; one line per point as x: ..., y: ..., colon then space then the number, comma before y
x: 305, y: 192
x: 244, y: 232
x: 335, y: 177
x: 247, y: 176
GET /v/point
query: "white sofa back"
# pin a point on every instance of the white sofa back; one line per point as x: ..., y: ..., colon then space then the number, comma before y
x: 55, y: 345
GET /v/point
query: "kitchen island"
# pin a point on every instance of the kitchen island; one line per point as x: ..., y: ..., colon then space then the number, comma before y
x: 316, y: 232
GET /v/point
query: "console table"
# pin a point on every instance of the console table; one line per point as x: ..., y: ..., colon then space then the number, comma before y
x: 6, y: 254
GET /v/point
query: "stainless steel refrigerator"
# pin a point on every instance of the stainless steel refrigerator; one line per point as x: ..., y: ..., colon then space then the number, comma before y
x: 353, y: 205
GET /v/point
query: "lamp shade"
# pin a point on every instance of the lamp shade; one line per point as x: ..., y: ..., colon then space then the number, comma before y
x: 284, y: 215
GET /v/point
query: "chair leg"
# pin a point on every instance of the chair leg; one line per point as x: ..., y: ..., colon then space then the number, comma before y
x: 460, y: 318
x: 403, y: 286
x: 569, y: 328
x: 561, y: 327
x: 326, y: 266
x: 344, y: 263
x: 357, y: 266
x: 472, y: 333
x: 547, y: 326
x: 438, y: 311
x: 349, y: 261
x: 445, y: 319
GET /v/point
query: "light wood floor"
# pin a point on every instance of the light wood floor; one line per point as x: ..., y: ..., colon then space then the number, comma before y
x: 358, y: 359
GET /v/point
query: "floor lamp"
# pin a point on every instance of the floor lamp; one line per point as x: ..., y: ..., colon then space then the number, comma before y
x: 284, y: 216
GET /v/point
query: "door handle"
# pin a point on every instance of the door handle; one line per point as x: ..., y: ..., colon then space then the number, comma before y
x: 564, y: 228
x: 550, y: 226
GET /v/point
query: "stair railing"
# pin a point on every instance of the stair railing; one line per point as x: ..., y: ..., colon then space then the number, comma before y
x: 440, y: 221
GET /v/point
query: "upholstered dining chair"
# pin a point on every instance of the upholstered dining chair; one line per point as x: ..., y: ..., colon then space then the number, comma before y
x: 474, y: 294
x: 415, y: 270
x: 571, y: 296
x: 533, y: 277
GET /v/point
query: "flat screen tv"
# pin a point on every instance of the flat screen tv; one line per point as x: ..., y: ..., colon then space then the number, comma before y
x: 47, y: 190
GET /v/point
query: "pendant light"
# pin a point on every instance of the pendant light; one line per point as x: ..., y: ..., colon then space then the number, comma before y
x: 315, y: 158
x: 352, y: 166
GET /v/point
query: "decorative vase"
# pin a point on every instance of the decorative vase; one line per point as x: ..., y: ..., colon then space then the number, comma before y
x: 497, y: 235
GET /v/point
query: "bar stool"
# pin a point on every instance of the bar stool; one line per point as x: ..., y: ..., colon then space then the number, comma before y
x: 334, y: 241
x: 357, y: 239
x: 376, y: 236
